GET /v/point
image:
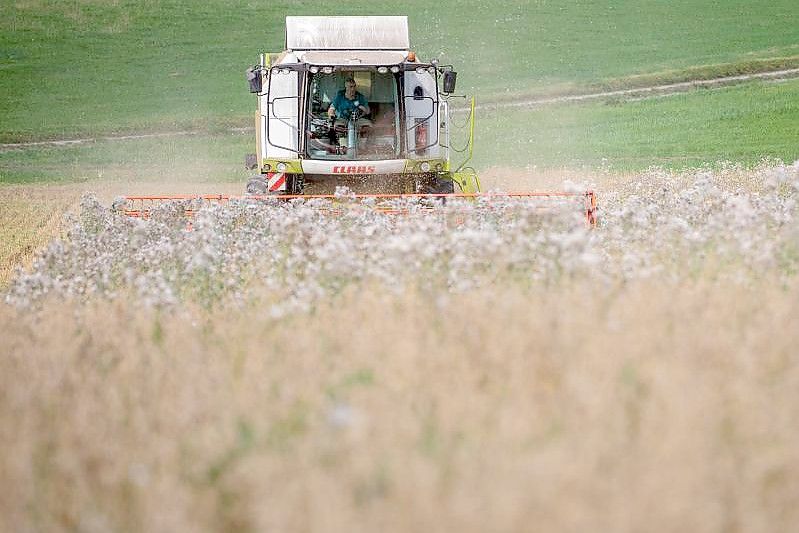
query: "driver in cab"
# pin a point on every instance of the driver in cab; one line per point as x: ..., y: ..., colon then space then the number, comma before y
x: 345, y: 102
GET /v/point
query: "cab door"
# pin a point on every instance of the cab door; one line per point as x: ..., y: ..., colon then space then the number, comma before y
x: 282, y: 114
x: 421, y: 113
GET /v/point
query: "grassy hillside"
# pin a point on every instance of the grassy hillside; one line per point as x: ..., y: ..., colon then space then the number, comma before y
x: 197, y: 158
x: 741, y: 124
x: 78, y: 66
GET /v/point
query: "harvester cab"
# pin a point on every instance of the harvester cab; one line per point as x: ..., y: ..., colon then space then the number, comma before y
x: 348, y: 103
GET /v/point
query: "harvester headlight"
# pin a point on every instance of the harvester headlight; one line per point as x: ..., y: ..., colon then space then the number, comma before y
x: 314, y: 69
x: 284, y: 71
x: 395, y: 69
x: 382, y: 70
x: 267, y: 167
x: 327, y: 70
x: 439, y: 167
x: 425, y: 166
x: 281, y: 167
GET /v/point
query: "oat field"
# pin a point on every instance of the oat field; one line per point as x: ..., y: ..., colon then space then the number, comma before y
x: 502, y: 369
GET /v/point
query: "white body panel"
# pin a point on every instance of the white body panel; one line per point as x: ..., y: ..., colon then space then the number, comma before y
x: 388, y: 166
x: 282, y: 116
x: 347, y: 33
x: 421, y: 113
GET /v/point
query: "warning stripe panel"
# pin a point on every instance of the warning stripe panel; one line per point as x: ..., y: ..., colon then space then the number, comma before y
x: 277, y: 181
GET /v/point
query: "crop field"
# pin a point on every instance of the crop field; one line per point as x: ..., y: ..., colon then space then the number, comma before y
x: 29, y: 217
x: 279, y: 369
x: 492, y: 365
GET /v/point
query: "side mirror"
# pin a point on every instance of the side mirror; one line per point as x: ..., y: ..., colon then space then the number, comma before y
x: 449, y: 81
x: 254, y: 79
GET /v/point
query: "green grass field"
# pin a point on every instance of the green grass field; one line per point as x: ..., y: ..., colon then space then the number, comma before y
x: 83, y: 68
x: 76, y: 67
x: 742, y: 124
x: 218, y: 157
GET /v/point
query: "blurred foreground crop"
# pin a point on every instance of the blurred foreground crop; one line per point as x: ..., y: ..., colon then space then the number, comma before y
x: 640, y: 406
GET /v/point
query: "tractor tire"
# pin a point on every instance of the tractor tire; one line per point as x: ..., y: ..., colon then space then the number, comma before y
x: 257, y: 185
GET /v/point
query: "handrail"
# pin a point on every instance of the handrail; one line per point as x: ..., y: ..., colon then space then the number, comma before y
x: 471, y: 138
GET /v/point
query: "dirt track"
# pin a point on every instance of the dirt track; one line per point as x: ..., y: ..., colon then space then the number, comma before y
x: 651, y: 91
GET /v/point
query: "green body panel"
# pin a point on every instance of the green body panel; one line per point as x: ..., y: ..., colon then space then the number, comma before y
x: 412, y: 166
x: 467, y: 181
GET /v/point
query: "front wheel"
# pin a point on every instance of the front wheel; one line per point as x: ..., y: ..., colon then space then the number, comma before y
x: 275, y: 183
x: 257, y: 185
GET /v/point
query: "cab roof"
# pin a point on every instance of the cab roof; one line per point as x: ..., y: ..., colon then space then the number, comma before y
x: 347, y: 33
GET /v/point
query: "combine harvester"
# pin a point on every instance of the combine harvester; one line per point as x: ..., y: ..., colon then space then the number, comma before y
x: 349, y: 106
